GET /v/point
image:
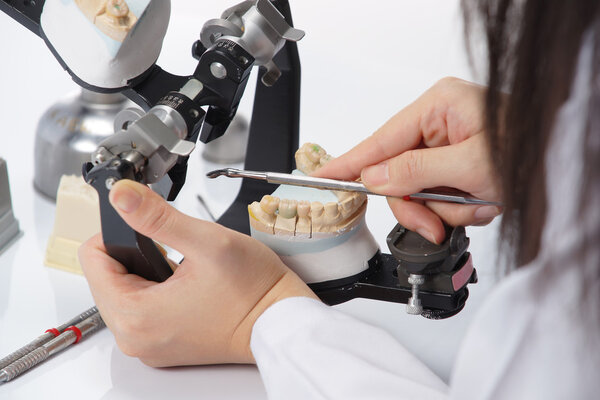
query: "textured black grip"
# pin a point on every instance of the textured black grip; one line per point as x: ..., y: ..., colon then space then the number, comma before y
x: 135, y: 251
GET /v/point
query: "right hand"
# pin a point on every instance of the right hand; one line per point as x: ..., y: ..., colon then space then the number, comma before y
x: 437, y: 141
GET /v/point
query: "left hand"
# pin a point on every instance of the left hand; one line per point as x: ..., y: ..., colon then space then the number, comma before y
x: 202, y: 314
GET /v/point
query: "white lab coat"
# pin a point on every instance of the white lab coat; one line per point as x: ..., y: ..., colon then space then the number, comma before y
x: 537, y: 336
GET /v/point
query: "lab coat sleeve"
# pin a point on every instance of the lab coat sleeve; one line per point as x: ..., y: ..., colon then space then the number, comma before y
x: 307, y: 350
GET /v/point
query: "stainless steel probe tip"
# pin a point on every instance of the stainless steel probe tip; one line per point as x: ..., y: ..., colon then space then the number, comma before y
x: 216, y: 173
x: 230, y: 172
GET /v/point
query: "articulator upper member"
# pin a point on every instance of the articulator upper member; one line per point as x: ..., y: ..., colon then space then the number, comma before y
x: 112, y: 46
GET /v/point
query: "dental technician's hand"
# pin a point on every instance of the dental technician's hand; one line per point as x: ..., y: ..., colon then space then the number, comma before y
x: 205, y: 312
x: 437, y: 141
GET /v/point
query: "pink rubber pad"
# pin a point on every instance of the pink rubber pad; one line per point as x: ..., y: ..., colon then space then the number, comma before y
x: 463, y: 275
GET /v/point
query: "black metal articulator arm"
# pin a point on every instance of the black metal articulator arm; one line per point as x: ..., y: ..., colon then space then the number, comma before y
x: 218, y: 83
x: 25, y: 12
x: 151, y: 145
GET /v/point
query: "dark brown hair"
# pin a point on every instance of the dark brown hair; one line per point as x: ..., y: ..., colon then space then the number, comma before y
x: 533, y: 48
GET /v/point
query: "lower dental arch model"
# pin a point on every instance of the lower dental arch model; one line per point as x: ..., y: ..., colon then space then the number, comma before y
x: 320, y: 234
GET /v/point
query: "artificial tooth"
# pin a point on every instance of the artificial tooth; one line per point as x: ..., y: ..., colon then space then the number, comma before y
x: 315, y: 152
x: 262, y: 215
x: 288, y: 208
x: 342, y: 195
x: 316, y: 216
x: 286, y: 218
x: 269, y: 204
x: 308, y: 157
x: 332, y: 216
x: 325, y: 159
x: 347, y: 207
x: 304, y: 164
x: 303, y: 225
x: 354, y: 218
x: 331, y: 210
x: 350, y: 203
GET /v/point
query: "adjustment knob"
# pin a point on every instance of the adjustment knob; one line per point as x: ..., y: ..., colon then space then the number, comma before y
x: 413, y: 306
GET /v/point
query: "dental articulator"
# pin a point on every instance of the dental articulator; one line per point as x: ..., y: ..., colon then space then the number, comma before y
x: 152, y: 144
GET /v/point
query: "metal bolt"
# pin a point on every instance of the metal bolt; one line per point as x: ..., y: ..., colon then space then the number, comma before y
x: 414, y: 306
x: 218, y: 70
x: 99, y: 158
x: 110, y: 182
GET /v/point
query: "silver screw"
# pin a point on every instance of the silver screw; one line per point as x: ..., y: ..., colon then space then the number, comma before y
x: 99, y: 158
x: 414, y: 306
x: 218, y: 70
x: 110, y: 182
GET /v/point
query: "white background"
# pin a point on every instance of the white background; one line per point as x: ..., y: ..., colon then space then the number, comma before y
x: 361, y: 63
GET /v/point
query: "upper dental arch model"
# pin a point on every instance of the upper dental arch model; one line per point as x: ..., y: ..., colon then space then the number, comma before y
x: 112, y: 17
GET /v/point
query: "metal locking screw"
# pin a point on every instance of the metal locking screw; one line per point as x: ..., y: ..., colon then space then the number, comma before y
x: 414, y: 303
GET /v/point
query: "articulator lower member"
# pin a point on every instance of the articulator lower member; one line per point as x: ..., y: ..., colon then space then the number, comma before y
x: 322, y: 236
x: 431, y: 279
x: 153, y: 146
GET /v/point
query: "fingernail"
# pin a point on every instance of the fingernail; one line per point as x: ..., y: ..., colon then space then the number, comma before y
x: 486, y: 212
x: 125, y: 198
x: 376, y: 175
x: 427, y: 235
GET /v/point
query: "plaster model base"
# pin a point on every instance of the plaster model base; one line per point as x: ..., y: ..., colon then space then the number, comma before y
x: 9, y: 226
x: 77, y: 219
x: 320, y: 234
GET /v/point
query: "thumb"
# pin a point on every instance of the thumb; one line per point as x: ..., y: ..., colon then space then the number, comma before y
x: 149, y: 214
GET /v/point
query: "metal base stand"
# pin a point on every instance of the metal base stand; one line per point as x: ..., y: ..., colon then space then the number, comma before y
x: 69, y: 132
x: 9, y: 226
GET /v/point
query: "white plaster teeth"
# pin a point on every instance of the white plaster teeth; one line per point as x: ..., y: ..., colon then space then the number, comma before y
x: 315, y: 152
x: 333, y: 217
x: 341, y: 195
x: 309, y: 156
x: 304, y: 223
x: 304, y: 219
x: 347, y: 207
x: 325, y: 159
x: 288, y: 208
x: 269, y: 204
x: 316, y: 216
x: 286, y: 217
x: 262, y: 215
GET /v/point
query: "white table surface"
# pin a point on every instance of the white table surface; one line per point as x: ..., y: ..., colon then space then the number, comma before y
x: 360, y: 65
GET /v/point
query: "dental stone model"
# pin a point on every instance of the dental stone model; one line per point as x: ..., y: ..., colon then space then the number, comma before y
x: 320, y: 234
x: 112, y: 17
x: 77, y: 219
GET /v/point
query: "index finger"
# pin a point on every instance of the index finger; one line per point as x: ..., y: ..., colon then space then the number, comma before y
x: 400, y: 133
